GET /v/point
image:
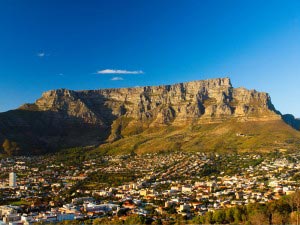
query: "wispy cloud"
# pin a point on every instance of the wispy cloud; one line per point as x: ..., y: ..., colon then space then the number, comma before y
x: 117, y: 78
x: 113, y: 71
x: 41, y: 54
x: 60, y: 74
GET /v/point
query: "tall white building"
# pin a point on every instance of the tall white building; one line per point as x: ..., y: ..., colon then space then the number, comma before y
x: 12, y: 179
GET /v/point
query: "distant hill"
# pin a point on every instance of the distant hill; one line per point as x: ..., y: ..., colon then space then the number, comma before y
x: 207, y: 115
x: 292, y: 121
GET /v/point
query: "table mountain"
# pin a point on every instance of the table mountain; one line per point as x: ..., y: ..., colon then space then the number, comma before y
x: 197, y: 115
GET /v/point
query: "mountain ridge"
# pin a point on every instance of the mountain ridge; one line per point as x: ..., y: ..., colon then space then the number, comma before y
x: 65, y: 118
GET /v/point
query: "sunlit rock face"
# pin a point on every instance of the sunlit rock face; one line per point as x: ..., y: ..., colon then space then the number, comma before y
x: 207, y: 99
x: 66, y: 118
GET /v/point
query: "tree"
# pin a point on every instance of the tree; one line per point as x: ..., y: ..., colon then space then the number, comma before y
x: 229, y: 215
x: 135, y: 219
x: 101, y: 221
x: 296, y: 203
x: 219, y: 216
x: 171, y: 209
x: 157, y: 222
x: 237, y: 215
x: 179, y: 220
x: 278, y: 218
x: 209, y: 218
x: 259, y: 218
x: 7, y: 147
x: 280, y: 211
x: 197, y: 220
x: 10, y: 148
x: 88, y: 222
x: 150, y: 209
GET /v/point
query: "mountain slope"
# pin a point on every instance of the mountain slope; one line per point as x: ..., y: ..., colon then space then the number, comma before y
x: 198, y: 115
x: 227, y: 136
x: 292, y: 121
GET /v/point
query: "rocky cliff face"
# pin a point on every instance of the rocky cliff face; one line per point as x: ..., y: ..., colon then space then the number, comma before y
x: 70, y: 118
x: 208, y: 99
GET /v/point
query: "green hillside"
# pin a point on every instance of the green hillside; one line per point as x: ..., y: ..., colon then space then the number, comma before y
x: 227, y: 136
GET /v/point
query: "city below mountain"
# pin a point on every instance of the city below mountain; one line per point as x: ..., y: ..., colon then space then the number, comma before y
x: 206, y: 115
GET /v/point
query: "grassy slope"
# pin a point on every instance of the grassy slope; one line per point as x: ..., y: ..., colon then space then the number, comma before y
x: 221, y: 137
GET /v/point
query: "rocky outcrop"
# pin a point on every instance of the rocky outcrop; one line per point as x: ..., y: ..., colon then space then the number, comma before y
x: 65, y: 118
x: 213, y: 99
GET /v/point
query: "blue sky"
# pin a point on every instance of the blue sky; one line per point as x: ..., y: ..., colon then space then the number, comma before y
x: 52, y: 44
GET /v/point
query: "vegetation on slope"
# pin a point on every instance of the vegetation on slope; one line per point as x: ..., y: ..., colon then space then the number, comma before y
x: 229, y: 136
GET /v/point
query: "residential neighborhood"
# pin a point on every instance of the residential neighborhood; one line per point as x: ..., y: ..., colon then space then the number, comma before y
x: 46, y: 189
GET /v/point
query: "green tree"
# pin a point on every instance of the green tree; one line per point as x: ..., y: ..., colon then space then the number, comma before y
x: 259, y: 218
x: 295, y: 201
x: 197, y: 220
x: 279, y: 211
x: 150, y: 209
x: 157, y: 222
x: 179, y: 220
x: 7, y: 147
x: 237, y: 215
x: 88, y: 222
x: 101, y: 221
x: 229, y: 215
x: 10, y: 148
x: 171, y: 209
x: 209, y: 218
x: 219, y: 216
x: 135, y: 219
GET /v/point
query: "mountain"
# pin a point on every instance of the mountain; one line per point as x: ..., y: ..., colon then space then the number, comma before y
x: 198, y: 115
x: 292, y: 121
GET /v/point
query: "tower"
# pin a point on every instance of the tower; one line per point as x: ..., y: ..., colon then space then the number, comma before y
x: 12, y: 179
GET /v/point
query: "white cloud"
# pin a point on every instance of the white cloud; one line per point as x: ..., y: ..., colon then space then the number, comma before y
x: 41, y: 54
x: 117, y: 78
x: 112, y: 71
